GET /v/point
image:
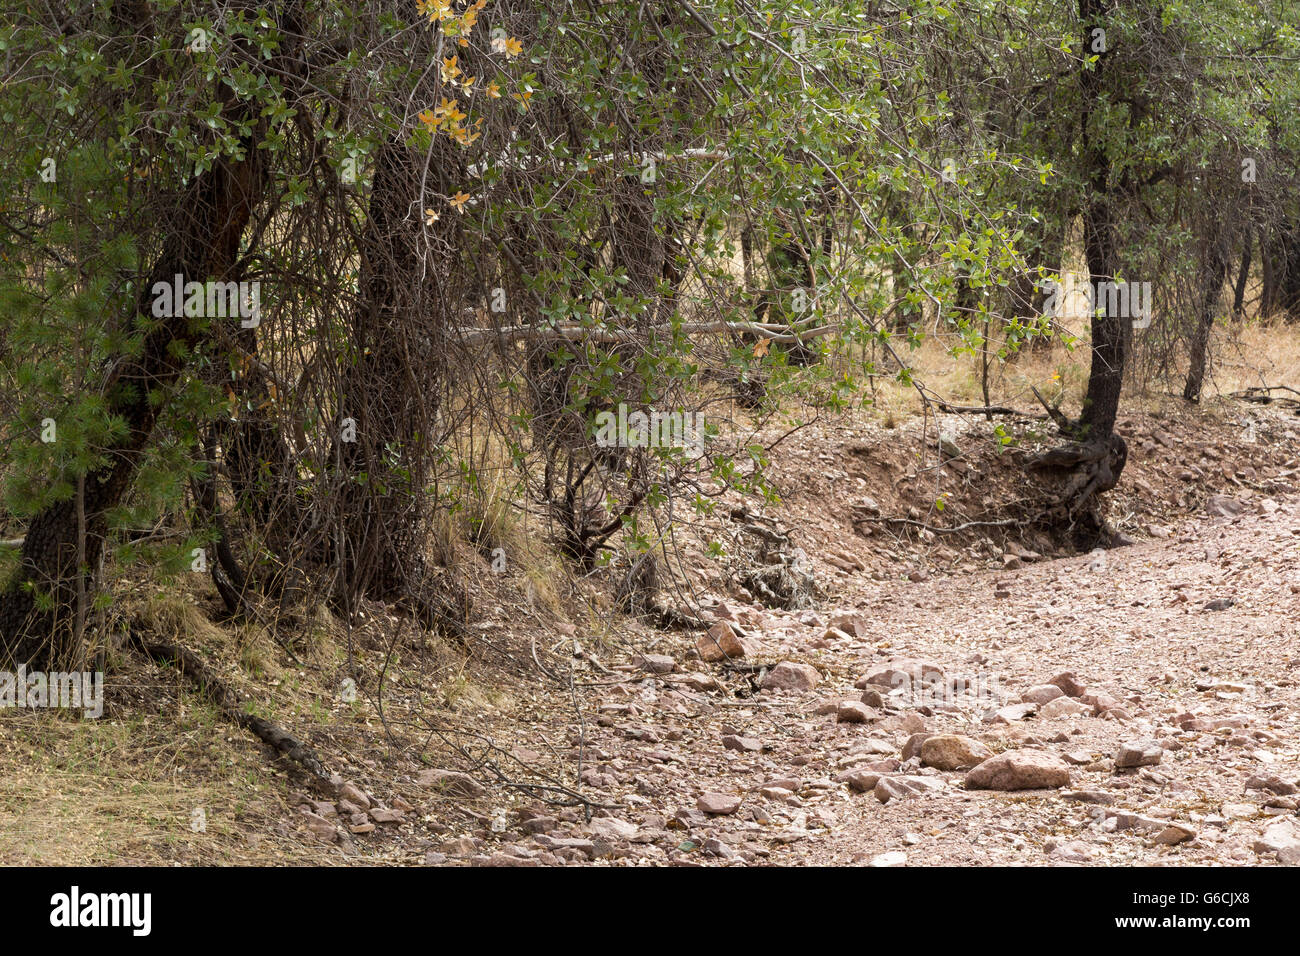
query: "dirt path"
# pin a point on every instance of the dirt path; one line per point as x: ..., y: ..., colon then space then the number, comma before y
x: 1186, y: 647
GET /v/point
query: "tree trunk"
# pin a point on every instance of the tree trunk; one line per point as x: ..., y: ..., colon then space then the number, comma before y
x: 208, y: 223
x: 1214, y: 267
x: 1243, y: 274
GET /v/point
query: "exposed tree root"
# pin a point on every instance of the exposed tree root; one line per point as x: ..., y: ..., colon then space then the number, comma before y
x: 227, y: 701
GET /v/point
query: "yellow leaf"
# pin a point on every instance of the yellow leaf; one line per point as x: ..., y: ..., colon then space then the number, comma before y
x: 513, y: 48
x: 458, y: 201
x: 430, y: 217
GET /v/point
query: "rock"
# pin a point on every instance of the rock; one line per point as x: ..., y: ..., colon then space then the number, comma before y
x: 1042, y: 694
x: 913, y: 746
x: 1075, y: 851
x: 871, y: 697
x: 701, y: 682
x: 1010, y: 714
x: 1098, y: 797
x: 854, y: 712
x: 953, y: 752
x: 1136, y: 821
x: 461, y: 846
x: 894, y: 788
x: 450, y: 782
x: 725, y: 640
x: 1020, y: 770
x: 354, y: 794
x: 321, y: 827
x: 715, y: 847
x: 1100, y: 703
x: 906, y: 672
x: 851, y: 622
x: 1138, y: 753
x: 380, y: 815
x: 1064, y: 707
x: 718, y: 804
x: 745, y: 744
x: 658, y: 663
x: 574, y: 844
x: 1282, y: 838
x: 860, y: 780
x: 1080, y: 758
x: 1068, y: 683
x: 1221, y: 506
x: 613, y: 829
x: 1174, y: 834
x: 789, y: 676
x: 1271, y: 782
x: 892, y: 858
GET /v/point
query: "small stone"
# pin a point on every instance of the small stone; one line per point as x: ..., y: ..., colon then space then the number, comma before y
x: 1010, y: 714
x: 380, y: 815
x: 871, y: 697
x: 1138, y: 753
x: 745, y: 744
x: 892, y: 858
x: 860, y: 780
x: 658, y: 663
x: 854, y: 712
x: 894, y: 788
x: 1068, y: 683
x: 354, y: 794
x: 1174, y: 834
x: 1063, y: 707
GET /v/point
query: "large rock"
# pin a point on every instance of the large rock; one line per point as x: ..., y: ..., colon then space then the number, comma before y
x: 1020, y: 770
x: 718, y: 804
x: 789, y: 676
x: 953, y: 752
x: 725, y: 640
x: 1138, y: 753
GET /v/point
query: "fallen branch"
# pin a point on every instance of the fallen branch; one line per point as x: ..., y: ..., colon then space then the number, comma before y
x: 215, y: 690
x: 1007, y: 522
x: 984, y: 410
